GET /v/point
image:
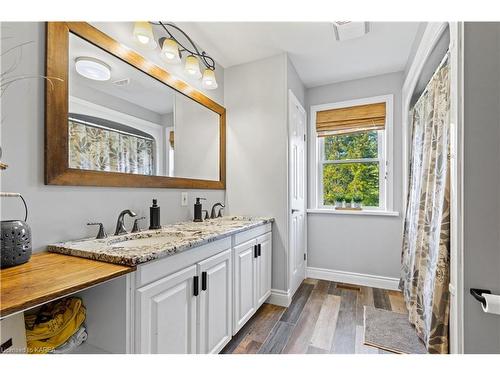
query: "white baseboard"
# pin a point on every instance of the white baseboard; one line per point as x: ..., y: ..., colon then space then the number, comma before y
x: 373, y: 281
x: 280, y: 298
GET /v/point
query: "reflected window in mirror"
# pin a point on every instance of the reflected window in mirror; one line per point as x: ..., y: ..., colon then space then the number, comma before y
x: 123, y: 120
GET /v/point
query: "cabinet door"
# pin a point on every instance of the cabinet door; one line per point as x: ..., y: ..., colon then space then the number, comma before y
x: 244, y: 283
x: 215, y: 304
x: 264, y: 265
x: 167, y: 314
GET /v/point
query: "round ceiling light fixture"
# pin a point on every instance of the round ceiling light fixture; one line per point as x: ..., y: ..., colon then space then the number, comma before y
x: 92, y: 68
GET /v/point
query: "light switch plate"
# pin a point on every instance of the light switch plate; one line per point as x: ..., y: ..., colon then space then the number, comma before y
x: 184, y: 198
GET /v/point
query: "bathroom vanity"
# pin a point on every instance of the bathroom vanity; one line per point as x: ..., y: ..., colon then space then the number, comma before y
x: 190, y: 286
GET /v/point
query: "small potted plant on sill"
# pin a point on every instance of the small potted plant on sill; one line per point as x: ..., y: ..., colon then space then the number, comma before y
x: 348, y: 200
x: 339, y: 201
x: 357, y: 200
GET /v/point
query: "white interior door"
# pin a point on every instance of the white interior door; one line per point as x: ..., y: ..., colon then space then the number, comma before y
x: 297, y: 190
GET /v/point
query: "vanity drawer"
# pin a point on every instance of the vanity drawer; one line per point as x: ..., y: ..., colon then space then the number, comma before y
x: 154, y: 270
x: 251, y: 233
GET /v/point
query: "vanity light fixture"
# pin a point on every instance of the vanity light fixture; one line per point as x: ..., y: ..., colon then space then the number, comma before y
x: 192, y: 67
x: 172, y: 50
x: 143, y: 34
x: 208, y: 81
x: 92, y: 68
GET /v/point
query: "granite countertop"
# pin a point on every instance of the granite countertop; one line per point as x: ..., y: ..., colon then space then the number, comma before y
x: 136, y: 248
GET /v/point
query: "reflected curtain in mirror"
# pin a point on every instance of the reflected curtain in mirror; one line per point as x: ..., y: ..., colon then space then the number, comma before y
x: 96, y: 148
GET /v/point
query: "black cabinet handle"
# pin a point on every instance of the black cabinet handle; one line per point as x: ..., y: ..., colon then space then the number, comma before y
x: 203, y: 281
x: 258, y: 249
x: 195, y: 285
x: 255, y: 254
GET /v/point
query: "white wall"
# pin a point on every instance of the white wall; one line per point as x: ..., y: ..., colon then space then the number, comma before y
x: 357, y: 243
x: 481, y: 182
x: 255, y: 98
x: 59, y: 213
x: 196, y: 140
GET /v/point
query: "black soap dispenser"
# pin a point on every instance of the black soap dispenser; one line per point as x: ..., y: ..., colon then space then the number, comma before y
x: 154, y: 216
x: 197, y: 210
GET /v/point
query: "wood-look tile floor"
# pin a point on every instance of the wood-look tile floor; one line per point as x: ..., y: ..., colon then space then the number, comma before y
x: 324, y: 317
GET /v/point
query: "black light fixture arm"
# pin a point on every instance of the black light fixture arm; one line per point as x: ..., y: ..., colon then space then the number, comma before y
x: 193, y: 50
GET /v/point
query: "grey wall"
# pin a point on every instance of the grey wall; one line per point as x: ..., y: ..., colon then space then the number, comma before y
x: 356, y: 243
x: 113, y: 102
x: 59, y: 213
x: 255, y: 98
x: 414, y: 46
x: 196, y: 140
x: 294, y: 83
x: 481, y: 181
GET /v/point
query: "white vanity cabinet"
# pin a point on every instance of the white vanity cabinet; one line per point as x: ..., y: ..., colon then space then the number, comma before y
x: 168, y: 309
x: 252, y: 273
x: 245, y: 283
x: 264, y: 262
x: 195, y: 301
x: 216, y: 302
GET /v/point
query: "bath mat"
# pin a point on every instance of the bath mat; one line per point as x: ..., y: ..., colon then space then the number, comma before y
x: 391, y: 331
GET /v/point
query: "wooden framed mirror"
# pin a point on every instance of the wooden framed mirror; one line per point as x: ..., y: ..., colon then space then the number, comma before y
x: 139, y: 126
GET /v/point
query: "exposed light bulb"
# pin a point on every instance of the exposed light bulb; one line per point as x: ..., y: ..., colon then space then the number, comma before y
x: 170, y: 51
x: 143, y: 34
x: 208, y: 81
x: 192, y: 66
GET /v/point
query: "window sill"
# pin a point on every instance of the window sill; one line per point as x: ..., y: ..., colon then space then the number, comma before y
x: 330, y: 211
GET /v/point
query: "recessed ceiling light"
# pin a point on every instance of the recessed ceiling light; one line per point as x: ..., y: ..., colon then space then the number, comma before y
x: 93, y: 68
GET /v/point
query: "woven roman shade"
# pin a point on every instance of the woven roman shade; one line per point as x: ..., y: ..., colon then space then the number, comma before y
x: 350, y: 119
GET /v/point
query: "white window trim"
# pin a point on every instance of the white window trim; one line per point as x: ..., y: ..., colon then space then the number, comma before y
x: 386, y: 160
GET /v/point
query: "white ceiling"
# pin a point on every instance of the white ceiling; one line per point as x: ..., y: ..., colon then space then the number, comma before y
x: 317, y: 56
x: 142, y: 90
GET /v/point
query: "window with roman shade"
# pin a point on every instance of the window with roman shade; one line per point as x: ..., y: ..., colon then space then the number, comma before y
x: 352, y: 164
x: 350, y: 119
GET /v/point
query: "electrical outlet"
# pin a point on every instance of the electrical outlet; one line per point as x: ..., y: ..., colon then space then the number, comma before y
x: 184, y: 198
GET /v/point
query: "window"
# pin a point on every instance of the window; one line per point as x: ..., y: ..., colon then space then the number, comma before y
x: 352, y: 148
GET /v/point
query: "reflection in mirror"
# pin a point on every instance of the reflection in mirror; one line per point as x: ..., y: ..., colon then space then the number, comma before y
x: 123, y: 120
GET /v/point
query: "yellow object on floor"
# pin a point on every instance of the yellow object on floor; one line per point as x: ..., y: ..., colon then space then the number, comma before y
x: 54, y: 324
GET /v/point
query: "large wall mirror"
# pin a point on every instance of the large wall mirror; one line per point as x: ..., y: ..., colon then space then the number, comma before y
x: 116, y: 119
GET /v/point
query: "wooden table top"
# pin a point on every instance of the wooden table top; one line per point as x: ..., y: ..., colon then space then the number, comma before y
x: 48, y: 276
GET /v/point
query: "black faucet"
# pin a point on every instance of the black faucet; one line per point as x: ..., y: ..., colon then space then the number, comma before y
x: 213, y: 215
x: 120, y: 227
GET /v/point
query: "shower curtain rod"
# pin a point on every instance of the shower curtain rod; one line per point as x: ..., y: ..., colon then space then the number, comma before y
x: 443, y: 61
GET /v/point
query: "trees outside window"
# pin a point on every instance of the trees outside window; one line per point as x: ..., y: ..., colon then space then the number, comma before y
x: 352, y: 166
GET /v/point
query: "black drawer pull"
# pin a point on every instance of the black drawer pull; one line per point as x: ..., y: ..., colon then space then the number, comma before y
x: 195, y: 285
x: 255, y: 254
x: 203, y: 281
x: 259, y: 249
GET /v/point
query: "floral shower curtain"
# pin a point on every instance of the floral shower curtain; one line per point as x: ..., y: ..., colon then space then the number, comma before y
x: 106, y: 150
x: 426, y: 242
